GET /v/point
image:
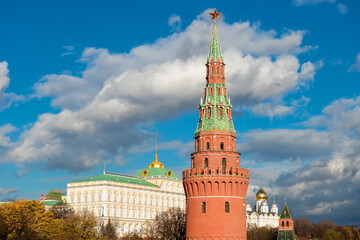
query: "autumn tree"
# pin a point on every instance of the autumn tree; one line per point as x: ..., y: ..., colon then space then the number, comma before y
x: 26, y: 219
x: 304, y: 228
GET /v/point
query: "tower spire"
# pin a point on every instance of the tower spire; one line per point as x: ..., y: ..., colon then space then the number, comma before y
x: 215, y: 50
x: 156, y: 163
x: 156, y: 145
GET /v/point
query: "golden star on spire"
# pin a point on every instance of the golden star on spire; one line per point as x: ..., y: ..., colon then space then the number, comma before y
x: 215, y: 15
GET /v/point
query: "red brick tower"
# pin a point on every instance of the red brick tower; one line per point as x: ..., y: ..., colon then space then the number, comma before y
x: 215, y: 186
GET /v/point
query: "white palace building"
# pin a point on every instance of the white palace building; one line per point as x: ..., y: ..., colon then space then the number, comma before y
x: 130, y: 201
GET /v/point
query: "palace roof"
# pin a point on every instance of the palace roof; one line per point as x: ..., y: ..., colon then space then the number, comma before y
x: 118, y: 178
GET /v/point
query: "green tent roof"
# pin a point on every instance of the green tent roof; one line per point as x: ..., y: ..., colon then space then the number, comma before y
x: 285, y: 213
x: 215, y: 50
x: 157, y: 172
x: 54, y: 194
x: 117, y: 178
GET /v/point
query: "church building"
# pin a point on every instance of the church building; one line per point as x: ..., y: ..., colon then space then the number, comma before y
x: 261, y: 215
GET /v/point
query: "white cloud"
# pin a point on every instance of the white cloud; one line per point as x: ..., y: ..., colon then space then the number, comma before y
x: 7, y: 99
x: 270, y: 109
x: 318, y: 170
x: 342, y: 8
x: 4, y: 131
x: 175, y: 22
x: 310, y: 2
x: 356, y: 65
x: 5, y: 192
x: 103, y: 110
x: 282, y: 144
x: 68, y: 50
x: 4, y: 78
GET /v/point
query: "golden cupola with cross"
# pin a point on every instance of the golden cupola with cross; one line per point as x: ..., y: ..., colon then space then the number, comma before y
x: 156, y: 169
x: 261, y: 194
x: 156, y: 163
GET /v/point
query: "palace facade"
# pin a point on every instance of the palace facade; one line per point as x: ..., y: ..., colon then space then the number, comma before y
x: 130, y: 201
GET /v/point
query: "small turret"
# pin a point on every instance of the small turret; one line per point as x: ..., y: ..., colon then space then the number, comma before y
x: 264, y: 207
x: 274, y: 208
x: 248, y: 206
x: 286, y: 225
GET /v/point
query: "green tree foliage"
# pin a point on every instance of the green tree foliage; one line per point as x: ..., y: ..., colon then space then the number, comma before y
x: 331, y: 234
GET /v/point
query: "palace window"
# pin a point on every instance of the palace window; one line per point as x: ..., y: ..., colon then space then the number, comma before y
x: 221, y: 146
x: 206, y: 163
x: 207, y: 146
x: 203, y: 207
x: 227, y: 207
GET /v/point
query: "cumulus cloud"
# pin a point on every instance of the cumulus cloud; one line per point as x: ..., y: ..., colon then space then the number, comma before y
x: 4, y: 78
x: 320, y: 172
x: 270, y: 109
x: 342, y: 8
x: 356, y: 65
x: 103, y: 111
x: 7, y: 99
x: 5, y: 192
x: 68, y: 50
x: 175, y: 22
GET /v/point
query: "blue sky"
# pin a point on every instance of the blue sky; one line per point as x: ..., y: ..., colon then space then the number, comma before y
x: 83, y: 83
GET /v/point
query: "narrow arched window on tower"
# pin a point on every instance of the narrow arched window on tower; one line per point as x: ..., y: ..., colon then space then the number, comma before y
x: 212, y: 70
x: 217, y: 70
x: 221, y: 146
x: 224, y: 165
x: 206, y: 162
x: 203, y: 207
x: 227, y: 207
x: 207, y: 146
x: 282, y: 223
x: 287, y: 223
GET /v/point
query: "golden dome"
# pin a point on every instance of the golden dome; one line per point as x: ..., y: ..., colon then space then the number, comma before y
x: 156, y: 163
x: 261, y: 194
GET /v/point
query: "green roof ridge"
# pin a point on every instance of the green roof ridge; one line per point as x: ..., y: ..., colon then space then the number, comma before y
x: 156, y: 172
x: 215, y: 50
x: 118, y: 178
